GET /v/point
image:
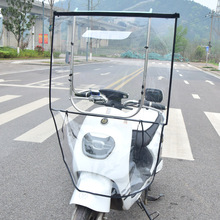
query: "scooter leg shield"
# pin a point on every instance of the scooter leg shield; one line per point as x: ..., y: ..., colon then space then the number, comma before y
x: 94, y: 183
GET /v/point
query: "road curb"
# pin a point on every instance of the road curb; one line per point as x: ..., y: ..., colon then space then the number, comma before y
x: 202, y: 66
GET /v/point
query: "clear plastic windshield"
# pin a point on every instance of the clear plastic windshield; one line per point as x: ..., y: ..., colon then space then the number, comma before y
x: 125, y: 54
x: 109, y: 95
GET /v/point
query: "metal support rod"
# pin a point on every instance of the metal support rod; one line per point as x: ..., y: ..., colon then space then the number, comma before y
x: 144, y: 208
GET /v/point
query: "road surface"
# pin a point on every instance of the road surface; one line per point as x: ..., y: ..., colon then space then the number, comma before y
x: 34, y: 181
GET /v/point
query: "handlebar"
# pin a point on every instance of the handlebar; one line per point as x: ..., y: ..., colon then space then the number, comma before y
x: 87, y: 93
x: 112, y: 98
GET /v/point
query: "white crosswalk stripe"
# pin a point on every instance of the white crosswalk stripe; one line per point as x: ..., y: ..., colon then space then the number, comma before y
x: 214, y: 118
x: 46, y: 129
x: 22, y: 110
x: 8, y: 97
x: 176, y: 141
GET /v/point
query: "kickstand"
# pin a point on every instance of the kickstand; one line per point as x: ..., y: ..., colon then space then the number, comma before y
x: 151, y: 198
x: 143, y: 207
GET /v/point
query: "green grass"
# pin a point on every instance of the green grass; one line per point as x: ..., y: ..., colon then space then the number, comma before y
x: 7, y: 52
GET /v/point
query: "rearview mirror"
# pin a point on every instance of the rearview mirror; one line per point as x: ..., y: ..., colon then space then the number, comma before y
x: 153, y: 95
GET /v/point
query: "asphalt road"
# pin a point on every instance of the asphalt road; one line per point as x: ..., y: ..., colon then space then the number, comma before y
x: 35, y: 184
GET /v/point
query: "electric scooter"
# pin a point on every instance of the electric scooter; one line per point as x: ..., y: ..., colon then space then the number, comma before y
x: 111, y: 137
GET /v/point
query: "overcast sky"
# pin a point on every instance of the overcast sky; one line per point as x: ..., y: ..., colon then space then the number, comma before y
x: 212, y: 4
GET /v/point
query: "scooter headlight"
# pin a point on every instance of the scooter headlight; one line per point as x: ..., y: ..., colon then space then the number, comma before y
x: 97, y: 146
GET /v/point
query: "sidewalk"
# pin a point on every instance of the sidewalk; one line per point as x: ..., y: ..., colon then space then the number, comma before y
x: 56, y: 61
x: 209, y: 68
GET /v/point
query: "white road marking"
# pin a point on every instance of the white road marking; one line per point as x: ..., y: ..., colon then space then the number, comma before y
x: 62, y: 71
x: 176, y: 141
x: 22, y: 110
x: 46, y: 129
x: 8, y: 97
x: 24, y: 71
x: 160, y: 77
x: 214, y: 118
x: 104, y: 74
x: 33, y: 86
x: 195, y: 96
x: 97, y: 69
x: 46, y: 81
x: 177, y: 71
x: 186, y: 82
x: 210, y: 82
x: 180, y: 75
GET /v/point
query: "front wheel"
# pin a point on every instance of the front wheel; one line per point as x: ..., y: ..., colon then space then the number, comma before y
x: 84, y: 213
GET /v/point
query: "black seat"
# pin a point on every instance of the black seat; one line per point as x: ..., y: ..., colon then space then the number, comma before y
x: 144, y: 137
x: 140, y: 139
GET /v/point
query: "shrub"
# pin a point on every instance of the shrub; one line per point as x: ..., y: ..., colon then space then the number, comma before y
x: 7, y: 52
x: 56, y: 54
x: 200, y: 53
x: 28, y: 53
x: 46, y: 54
x: 39, y: 49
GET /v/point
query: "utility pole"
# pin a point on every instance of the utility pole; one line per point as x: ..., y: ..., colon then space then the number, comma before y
x: 91, y: 26
x: 218, y: 8
x: 43, y: 26
x: 212, y: 15
x: 210, y: 35
x: 87, y: 39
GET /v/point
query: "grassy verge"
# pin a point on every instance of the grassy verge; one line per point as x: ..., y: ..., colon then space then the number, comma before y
x: 11, y: 53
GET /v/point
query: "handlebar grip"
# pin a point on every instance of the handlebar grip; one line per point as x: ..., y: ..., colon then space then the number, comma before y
x: 155, y: 105
x: 83, y: 94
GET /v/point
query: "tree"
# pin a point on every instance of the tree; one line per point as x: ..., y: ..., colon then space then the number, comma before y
x: 200, y: 53
x: 17, y: 18
x: 181, y: 41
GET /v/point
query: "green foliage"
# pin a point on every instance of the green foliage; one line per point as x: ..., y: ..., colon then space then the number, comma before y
x: 46, y: 53
x: 7, y: 52
x: 200, y: 53
x: 28, y: 54
x: 17, y: 18
x: 181, y: 41
x: 56, y: 54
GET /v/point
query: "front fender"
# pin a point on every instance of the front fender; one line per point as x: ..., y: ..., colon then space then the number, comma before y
x: 96, y: 184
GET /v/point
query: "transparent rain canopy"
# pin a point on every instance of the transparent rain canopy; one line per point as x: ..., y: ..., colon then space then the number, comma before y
x: 102, y: 94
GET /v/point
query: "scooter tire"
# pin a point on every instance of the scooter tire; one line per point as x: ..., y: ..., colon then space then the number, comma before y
x: 84, y: 213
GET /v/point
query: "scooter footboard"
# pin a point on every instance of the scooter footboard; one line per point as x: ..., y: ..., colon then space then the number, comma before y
x: 94, y: 183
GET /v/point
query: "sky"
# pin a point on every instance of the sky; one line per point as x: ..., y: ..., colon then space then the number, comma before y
x: 212, y: 4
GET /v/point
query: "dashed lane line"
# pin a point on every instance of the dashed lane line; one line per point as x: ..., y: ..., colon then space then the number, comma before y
x: 195, y: 96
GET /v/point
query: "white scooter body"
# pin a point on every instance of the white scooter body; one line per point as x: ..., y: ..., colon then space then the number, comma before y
x: 98, y: 175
